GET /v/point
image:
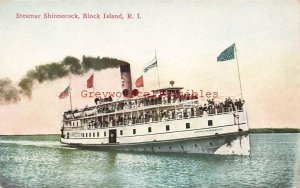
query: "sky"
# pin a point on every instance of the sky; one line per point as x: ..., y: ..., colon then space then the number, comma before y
x: 187, y: 37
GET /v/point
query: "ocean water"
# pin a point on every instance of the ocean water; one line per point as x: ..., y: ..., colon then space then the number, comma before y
x: 41, y: 161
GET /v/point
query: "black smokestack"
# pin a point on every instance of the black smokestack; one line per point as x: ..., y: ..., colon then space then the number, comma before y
x: 126, y: 82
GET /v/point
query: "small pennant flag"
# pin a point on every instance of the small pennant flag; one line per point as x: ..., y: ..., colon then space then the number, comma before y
x: 139, y: 82
x: 90, y: 82
x: 65, y: 93
x: 153, y: 63
x: 227, y: 54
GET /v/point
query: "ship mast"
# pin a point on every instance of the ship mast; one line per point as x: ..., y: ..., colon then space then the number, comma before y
x: 157, y: 71
x: 70, y: 96
x: 238, y: 68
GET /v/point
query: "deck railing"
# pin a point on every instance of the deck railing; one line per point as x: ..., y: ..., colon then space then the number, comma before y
x: 160, y: 118
x: 112, y: 108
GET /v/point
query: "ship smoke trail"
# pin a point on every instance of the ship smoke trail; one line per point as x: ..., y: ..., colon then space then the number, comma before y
x: 53, y: 71
x: 8, y: 92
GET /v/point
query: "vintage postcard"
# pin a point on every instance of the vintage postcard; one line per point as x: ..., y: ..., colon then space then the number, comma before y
x: 149, y: 93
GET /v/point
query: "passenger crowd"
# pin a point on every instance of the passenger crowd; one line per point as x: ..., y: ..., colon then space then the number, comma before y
x: 187, y: 110
x: 134, y: 103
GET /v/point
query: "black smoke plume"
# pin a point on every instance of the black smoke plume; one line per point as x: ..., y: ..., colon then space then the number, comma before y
x: 100, y: 63
x: 8, y: 92
x: 53, y: 71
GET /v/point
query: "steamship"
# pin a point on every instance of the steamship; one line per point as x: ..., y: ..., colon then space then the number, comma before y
x: 165, y: 121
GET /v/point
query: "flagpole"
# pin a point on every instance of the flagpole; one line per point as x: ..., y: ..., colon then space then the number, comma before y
x: 70, y: 93
x: 143, y: 83
x: 71, y: 98
x: 237, y: 63
x: 94, y: 86
x: 157, y: 71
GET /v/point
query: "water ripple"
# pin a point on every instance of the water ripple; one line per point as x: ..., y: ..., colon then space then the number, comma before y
x: 40, y: 162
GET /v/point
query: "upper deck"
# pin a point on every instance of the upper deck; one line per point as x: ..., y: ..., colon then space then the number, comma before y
x: 164, y: 106
x: 160, y: 98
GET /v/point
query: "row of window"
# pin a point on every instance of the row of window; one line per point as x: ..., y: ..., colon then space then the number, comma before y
x: 92, y: 134
x: 187, y: 126
x: 73, y: 124
x: 210, y: 123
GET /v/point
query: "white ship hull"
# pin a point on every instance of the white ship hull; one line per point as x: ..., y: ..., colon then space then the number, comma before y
x: 209, y: 134
x: 233, y: 144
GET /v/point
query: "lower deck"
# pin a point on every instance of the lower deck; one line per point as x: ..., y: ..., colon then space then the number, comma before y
x: 228, y: 144
x: 158, y: 131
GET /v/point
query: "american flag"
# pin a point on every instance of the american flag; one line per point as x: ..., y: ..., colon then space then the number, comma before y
x: 65, y: 93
